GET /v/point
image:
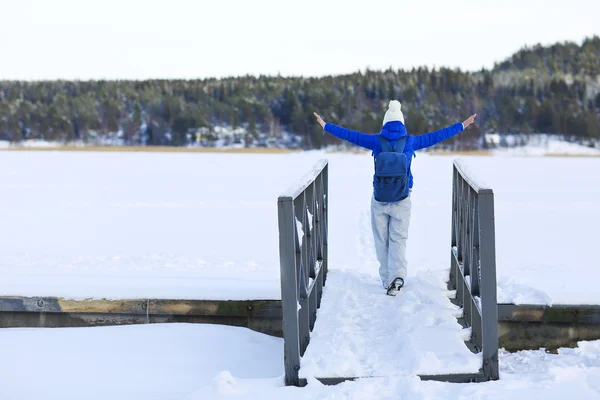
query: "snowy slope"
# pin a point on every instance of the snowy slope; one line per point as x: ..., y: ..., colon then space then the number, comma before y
x: 130, y: 225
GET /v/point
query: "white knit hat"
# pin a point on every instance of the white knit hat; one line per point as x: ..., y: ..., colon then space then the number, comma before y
x: 393, y: 113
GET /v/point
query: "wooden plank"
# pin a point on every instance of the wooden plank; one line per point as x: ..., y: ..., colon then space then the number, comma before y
x: 454, y: 378
x: 28, y: 304
x: 102, y: 306
x: 253, y: 308
x: 589, y: 314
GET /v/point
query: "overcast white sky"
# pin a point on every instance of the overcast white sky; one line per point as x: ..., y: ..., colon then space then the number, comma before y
x: 139, y: 39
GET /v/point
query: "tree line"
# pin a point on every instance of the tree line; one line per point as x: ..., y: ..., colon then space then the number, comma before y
x: 554, y: 89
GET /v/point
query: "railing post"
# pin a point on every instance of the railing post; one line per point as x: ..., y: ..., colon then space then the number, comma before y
x: 326, y: 221
x: 453, y: 284
x: 489, y: 305
x: 289, y: 289
x: 303, y: 263
x: 473, y: 264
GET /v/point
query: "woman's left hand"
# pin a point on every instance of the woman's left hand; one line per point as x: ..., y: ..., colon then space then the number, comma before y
x: 319, y: 120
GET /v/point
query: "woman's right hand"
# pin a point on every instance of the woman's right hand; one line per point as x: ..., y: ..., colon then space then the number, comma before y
x: 469, y: 120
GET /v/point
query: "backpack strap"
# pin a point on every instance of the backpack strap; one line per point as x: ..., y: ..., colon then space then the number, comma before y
x: 402, y: 142
x: 386, y: 145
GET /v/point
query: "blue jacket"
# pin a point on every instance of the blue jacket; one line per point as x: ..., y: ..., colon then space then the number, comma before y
x: 393, y: 131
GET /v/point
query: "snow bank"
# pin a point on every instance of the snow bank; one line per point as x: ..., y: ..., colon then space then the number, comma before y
x: 573, y: 373
x: 208, y: 362
x: 162, y: 361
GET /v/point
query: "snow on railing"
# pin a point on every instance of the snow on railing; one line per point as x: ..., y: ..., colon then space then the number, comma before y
x: 302, y: 211
x: 473, y: 263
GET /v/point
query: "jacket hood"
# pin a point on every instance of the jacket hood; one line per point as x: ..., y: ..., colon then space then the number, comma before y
x: 393, y: 130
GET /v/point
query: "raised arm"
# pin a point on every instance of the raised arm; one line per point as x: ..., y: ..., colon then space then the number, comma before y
x: 433, y: 138
x: 357, y: 138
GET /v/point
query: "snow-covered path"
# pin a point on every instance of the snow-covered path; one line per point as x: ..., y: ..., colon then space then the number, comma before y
x: 360, y: 331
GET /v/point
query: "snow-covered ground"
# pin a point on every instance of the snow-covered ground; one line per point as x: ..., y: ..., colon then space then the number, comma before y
x: 31, y: 143
x: 231, y: 138
x: 158, y: 361
x: 553, y: 147
x: 126, y: 225
x: 207, y: 362
x: 540, y: 145
x: 166, y: 225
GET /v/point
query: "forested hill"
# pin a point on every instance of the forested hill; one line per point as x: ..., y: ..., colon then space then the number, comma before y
x: 553, y: 89
x: 560, y: 58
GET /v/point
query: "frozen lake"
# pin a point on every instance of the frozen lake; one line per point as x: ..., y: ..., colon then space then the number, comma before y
x: 204, y: 226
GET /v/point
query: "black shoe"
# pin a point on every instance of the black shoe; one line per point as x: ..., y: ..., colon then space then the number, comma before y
x: 395, y: 287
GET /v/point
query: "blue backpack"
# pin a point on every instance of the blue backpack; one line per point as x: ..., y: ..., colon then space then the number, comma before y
x: 391, y: 171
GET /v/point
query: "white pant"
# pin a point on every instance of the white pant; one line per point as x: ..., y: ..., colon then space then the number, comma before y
x: 390, y: 223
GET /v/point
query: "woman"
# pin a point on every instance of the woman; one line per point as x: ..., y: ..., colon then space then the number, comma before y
x: 393, y: 149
